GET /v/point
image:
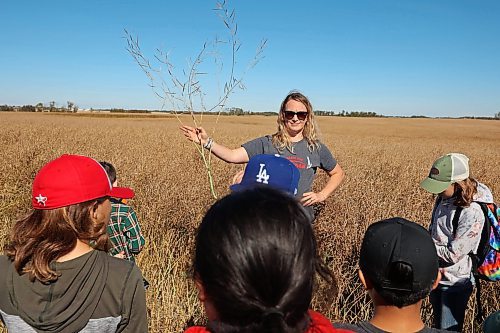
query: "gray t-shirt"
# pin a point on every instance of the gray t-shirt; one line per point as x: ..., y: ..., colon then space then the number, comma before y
x: 366, y: 327
x: 306, y: 161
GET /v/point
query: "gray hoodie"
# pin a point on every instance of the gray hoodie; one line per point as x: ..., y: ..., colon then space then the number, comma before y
x: 453, y: 248
x: 94, y: 293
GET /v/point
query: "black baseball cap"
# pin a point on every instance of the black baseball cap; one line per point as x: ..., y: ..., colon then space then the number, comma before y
x: 397, y: 240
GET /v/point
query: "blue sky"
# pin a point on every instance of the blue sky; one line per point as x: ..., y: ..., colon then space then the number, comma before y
x: 400, y: 57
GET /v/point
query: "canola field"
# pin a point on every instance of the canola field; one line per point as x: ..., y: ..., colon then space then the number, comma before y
x: 384, y: 160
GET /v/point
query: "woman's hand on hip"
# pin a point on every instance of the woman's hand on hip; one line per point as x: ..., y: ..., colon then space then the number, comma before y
x: 310, y: 198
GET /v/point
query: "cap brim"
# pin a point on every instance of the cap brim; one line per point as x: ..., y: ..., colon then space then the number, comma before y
x: 122, y: 193
x: 241, y: 187
x: 434, y: 186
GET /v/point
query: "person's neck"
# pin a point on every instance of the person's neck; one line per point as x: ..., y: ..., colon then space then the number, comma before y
x: 79, y: 250
x: 396, y: 320
x: 295, y: 137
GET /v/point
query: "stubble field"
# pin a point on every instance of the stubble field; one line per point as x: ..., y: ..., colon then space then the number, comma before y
x: 384, y: 160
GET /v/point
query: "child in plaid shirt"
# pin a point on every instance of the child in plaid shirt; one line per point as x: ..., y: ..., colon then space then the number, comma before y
x: 124, y: 231
x: 123, y: 228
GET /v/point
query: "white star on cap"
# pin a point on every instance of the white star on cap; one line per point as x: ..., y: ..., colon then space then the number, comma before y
x: 41, y: 199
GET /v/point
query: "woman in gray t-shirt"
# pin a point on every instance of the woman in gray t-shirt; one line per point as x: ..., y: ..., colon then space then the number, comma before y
x: 296, y: 139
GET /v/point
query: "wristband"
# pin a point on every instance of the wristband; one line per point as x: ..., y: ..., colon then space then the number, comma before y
x: 208, y: 144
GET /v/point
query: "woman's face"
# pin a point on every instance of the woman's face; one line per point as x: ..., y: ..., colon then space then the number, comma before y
x: 296, y: 119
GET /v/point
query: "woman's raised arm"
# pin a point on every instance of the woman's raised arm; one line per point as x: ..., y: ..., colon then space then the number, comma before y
x: 199, y: 135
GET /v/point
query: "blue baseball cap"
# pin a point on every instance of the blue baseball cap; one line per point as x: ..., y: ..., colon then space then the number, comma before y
x: 270, y: 170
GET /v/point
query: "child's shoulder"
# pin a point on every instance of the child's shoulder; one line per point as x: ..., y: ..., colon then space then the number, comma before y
x: 4, y: 262
x: 121, y: 268
x: 483, y: 193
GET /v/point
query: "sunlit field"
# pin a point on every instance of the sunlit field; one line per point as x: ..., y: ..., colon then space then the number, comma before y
x: 384, y: 160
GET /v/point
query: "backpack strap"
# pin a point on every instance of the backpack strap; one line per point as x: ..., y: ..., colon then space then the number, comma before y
x: 480, y: 313
x: 482, y: 249
x: 456, y: 217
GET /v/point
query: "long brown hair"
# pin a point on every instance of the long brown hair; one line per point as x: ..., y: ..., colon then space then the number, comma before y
x: 43, y: 236
x: 281, y: 139
x: 464, y: 192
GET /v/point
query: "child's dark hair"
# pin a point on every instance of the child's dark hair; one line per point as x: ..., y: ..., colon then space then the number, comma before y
x: 256, y: 258
x: 401, y: 274
x: 110, y: 170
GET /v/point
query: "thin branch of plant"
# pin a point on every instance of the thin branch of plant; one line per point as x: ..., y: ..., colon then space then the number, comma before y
x: 185, y: 92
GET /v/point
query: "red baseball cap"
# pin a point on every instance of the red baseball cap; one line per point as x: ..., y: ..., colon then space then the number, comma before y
x: 71, y: 179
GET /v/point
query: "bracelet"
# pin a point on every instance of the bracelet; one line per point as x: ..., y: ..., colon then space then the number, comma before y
x: 208, y: 144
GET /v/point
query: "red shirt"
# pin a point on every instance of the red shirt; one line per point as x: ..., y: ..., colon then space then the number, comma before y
x: 319, y: 324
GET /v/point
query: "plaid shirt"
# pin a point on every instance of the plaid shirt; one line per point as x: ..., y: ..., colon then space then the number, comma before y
x: 124, y: 231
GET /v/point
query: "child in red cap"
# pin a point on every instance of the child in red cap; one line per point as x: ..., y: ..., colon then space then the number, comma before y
x: 56, y: 274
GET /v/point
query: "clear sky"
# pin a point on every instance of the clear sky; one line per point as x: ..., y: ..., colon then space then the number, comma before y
x: 392, y: 57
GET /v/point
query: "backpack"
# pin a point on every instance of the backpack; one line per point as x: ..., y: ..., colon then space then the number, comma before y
x: 486, y: 263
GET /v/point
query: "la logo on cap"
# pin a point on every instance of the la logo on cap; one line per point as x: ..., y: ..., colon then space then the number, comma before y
x: 40, y: 199
x: 262, y: 176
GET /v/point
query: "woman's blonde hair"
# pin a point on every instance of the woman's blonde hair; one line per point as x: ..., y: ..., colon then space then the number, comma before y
x: 464, y: 192
x: 43, y: 236
x: 281, y: 139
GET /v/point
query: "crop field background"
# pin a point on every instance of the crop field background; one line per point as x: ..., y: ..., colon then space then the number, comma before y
x: 384, y: 160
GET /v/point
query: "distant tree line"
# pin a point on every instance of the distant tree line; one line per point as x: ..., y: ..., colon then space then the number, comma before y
x: 24, y: 108
x: 125, y: 111
x: 345, y: 113
x: 240, y: 112
x: 232, y: 111
x: 40, y: 107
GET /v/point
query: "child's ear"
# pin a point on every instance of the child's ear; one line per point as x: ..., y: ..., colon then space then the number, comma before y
x: 201, y: 291
x: 210, y: 310
x: 93, y: 210
x: 365, y: 281
x: 438, y: 279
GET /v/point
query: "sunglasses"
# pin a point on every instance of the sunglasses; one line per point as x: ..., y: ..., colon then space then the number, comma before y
x: 301, y: 115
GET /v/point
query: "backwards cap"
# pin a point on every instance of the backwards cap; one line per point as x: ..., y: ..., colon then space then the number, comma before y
x: 72, y: 179
x: 274, y: 171
x: 446, y: 170
x: 395, y: 240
